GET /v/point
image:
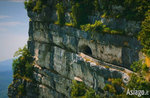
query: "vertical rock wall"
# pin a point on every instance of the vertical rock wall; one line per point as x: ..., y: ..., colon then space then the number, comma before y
x: 58, y: 61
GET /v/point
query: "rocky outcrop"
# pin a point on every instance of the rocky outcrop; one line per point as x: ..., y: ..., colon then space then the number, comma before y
x: 63, y: 54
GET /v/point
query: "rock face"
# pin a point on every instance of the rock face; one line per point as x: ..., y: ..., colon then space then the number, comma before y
x: 59, y: 58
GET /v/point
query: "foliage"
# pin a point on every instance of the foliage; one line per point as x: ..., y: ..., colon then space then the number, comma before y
x: 90, y: 93
x: 76, y: 14
x: 115, y: 87
x: 144, y: 35
x: 138, y: 82
x: 109, y: 88
x: 22, y: 66
x: 139, y: 67
x: 21, y: 90
x: 40, y: 4
x: 136, y: 66
x: 99, y: 27
x: 60, y: 14
x: 133, y: 9
x: 96, y: 5
x: 29, y: 5
x: 80, y: 11
x: 36, y: 6
x: 79, y: 89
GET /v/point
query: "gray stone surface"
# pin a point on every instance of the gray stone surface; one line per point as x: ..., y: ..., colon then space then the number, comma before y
x: 58, y: 60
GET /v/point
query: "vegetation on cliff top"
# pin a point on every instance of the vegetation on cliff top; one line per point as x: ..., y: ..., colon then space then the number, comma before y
x: 60, y: 14
x: 35, y: 6
x: 131, y: 9
x: 81, y: 9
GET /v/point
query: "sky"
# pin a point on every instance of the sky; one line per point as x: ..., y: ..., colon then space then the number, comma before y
x: 13, y: 27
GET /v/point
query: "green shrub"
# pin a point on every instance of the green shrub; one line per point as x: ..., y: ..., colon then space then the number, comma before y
x: 99, y: 27
x: 139, y: 67
x: 96, y: 5
x: 139, y: 83
x: 115, y: 32
x: 22, y: 66
x: 136, y: 66
x: 80, y: 90
x: 21, y: 90
x: 109, y: 88
x: 144, y: 35
x: 80, y: 11
x: 60, y: 14
x: 133, y: 9
x: 29, y: 69
x: 77, y: 15
x: 96, y: 27
x: 90, y: 93
x: 36, y: 6
x: 29, y: 5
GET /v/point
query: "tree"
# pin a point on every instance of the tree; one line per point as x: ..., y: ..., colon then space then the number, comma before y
x: 22, y: 66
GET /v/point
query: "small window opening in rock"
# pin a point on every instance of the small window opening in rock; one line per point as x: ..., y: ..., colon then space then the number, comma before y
x: 86, y: 50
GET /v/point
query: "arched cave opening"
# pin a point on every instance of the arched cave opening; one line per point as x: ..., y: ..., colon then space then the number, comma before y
x: 86, y: 50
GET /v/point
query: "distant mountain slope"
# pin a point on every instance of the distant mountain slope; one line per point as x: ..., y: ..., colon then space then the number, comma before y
x: 6, y: 65
x: 5, y: 77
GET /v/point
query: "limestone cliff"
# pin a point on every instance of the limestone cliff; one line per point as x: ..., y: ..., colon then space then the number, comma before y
x: 64, y: 53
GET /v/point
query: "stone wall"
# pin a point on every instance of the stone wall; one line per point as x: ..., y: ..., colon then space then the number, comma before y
x: 115, y: 49
x: 56, y: 50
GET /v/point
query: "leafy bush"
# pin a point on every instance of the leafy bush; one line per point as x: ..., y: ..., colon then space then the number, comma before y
x: 40, y: 5
x: 90, y: 93
x: 109, y: 88
x: 29, y: 5
x: 21, y: 90
x: 133, y: 9
x: 80, y: 11
x: 79, y: 89
x: 136, y: 66
x: 36, y: 6
x: 60, y: 14
x: 99, y: 27
x: 22, y: 66
x: 96, y: 5
x: 96, y: 27
x: 138, y: 82
x: 77, y: 14
x: 139, y: 67
x: 144, y: 35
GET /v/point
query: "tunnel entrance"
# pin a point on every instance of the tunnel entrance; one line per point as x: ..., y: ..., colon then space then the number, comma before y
x: 86, y: 50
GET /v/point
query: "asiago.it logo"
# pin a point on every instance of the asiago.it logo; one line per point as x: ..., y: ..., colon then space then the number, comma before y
x: 138, y: 93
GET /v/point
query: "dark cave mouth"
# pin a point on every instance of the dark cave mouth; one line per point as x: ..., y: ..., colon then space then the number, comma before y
x: 86, y: 50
